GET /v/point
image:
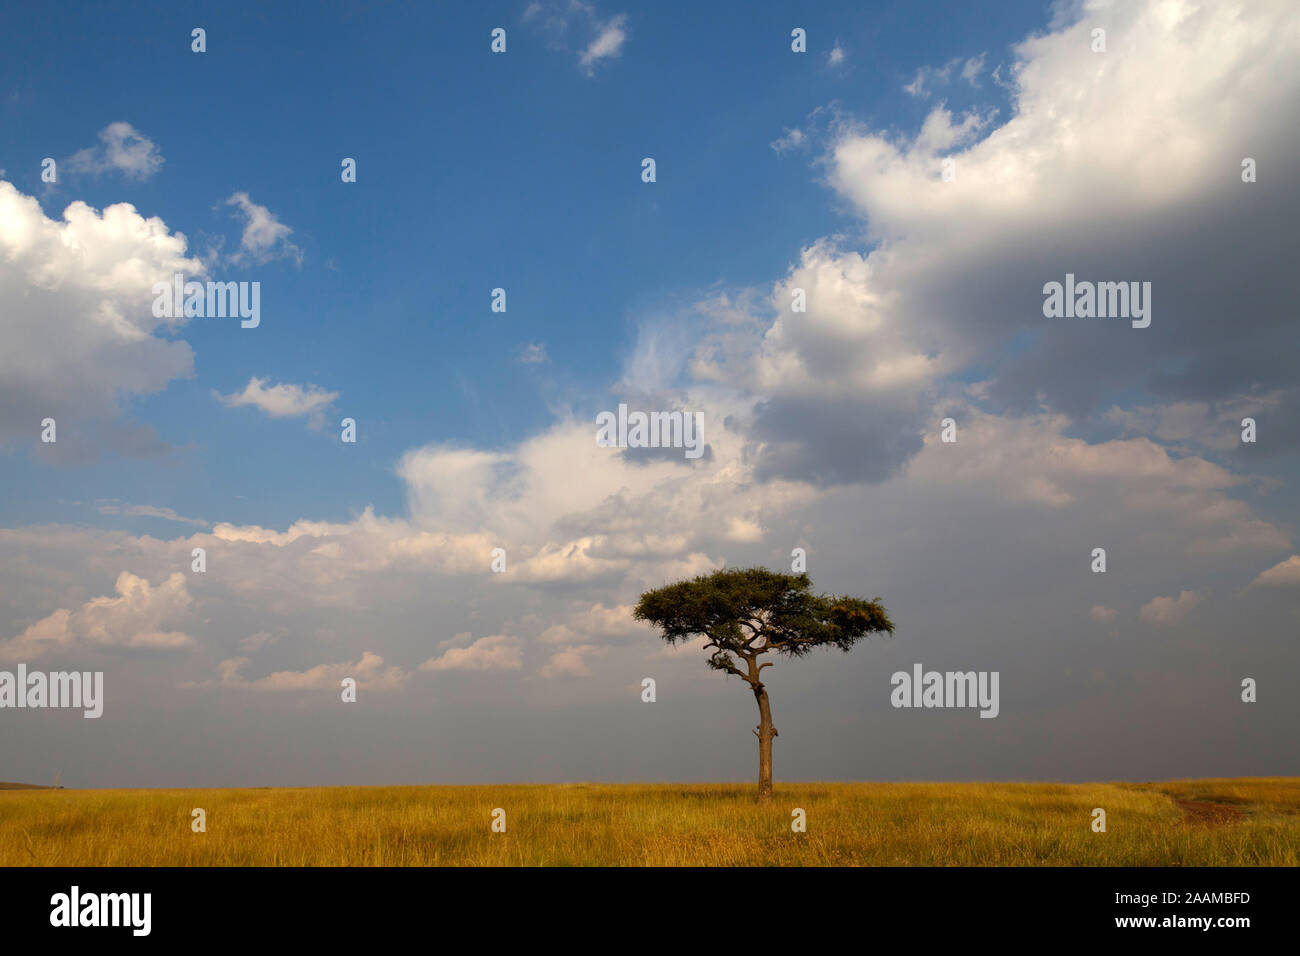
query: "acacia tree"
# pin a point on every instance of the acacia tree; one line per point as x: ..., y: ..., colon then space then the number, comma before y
x: 748, y: 612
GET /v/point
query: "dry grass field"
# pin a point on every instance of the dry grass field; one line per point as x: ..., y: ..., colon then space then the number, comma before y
x: 1239, y: 822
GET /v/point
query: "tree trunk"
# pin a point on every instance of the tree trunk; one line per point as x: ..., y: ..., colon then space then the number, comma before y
x: 765, y: 733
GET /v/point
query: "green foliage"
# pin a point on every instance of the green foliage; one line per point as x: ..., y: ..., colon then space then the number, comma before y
x: 746, y: 612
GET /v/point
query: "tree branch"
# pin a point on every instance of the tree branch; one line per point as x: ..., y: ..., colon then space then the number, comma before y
x: 729, y: 668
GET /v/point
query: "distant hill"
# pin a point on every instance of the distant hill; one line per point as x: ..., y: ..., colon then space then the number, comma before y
x: 23, y: 786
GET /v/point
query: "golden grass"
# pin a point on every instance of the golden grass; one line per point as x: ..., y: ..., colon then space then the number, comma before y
x: 853, y: 824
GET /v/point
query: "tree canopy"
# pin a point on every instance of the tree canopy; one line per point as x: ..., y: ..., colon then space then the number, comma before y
x: 750, y: 611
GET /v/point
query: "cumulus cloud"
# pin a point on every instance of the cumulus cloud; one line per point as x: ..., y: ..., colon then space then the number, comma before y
x: 952, y: 281
x: 1193, y: 424
x: 596, y: 623
x: 138, y: 617
x: 1166, y: 611
x: 841, y: 388
x: 498, y: 652
x: 1283, y: 574
x: 1023, y: 210
x: 571, y: 662
x: 283, y: 401
x: 79, y: 335
x: 576, y: 511
x: 576, y: 515
x: 122, y: 148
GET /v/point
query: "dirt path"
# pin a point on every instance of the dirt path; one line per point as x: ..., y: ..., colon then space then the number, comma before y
x: 1208, y: 814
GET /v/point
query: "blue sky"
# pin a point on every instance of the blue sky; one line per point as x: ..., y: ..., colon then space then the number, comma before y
x: 475, y: 172
x: 776, y: 171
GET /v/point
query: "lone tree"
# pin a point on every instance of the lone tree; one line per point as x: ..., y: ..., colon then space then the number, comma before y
x: 748, y: 612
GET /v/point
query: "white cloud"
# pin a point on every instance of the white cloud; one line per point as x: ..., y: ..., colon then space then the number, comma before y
x: 122, y: 148
x: 283, y: 401
x: 577, y: 511
x: 953, y: 277
x: 1166, y: 611
x: 1036, y: 168
x: 1033, y: 460
x: 596, y: 623
x: 114, y: 506
x: 136, y: 618
x: 78, y: 336
x: 562, y: 20
x: 575, y: 514
x: 265, y: 238
x: 929, y: 77
x: 790, y: 139
x: 1283, y: 574
x: 368, y: 671
x: 607, y: 44
x: 1215, y: 426
x: 498, y: 652
x: 533, y: 354
x: 571, y: 661
x: 844, y: 342
x: 259, y: 535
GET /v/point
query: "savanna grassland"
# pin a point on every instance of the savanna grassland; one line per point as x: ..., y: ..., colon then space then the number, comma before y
x: 1238, y: 822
